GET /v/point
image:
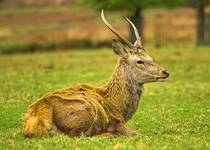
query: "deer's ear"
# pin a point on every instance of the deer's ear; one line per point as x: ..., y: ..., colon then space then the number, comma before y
x: 119, y: 48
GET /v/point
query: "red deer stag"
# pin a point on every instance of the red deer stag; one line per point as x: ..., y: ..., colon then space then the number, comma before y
x: 91, y: 111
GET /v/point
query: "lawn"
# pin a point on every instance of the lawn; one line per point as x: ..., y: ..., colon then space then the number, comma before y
x: 172, y: 115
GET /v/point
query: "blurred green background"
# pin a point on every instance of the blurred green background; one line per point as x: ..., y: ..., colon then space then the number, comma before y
x: 48, y: 45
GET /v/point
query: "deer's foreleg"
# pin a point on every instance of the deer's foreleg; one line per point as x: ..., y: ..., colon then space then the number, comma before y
x: 121, y: 129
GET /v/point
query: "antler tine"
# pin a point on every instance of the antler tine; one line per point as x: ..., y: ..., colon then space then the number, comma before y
x: 130, y: 45
x: 138, y: 38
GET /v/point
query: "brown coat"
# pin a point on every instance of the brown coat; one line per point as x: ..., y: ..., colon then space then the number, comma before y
x: 84, y: 110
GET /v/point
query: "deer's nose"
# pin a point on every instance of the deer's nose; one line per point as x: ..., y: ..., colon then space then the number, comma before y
x: 165, y: 73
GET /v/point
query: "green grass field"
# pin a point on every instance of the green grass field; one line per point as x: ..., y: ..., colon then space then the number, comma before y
x: 172, y: 115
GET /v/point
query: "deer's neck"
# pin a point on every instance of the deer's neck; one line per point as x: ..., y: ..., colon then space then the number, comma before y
x: 123, y: 91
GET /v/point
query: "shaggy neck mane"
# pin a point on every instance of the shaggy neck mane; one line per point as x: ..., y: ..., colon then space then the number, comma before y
x: 122, y: 91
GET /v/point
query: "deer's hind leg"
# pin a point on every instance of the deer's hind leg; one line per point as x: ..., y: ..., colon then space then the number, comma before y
x: 38, y: 121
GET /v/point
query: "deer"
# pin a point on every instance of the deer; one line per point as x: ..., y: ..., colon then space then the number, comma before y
x: 89, y: 111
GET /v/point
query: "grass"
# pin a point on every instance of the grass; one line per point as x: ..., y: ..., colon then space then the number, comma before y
x: 172, y: 115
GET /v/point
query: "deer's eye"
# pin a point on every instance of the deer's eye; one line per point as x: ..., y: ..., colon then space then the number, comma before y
x: 140, y: 62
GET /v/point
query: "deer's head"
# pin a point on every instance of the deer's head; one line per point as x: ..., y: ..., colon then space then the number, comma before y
x: 134, y: 57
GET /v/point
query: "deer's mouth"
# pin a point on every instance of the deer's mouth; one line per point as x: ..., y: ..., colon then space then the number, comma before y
x: 161, y: 78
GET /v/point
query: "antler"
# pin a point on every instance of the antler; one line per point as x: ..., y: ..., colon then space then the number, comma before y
x: 138, y: 42
x: 130, y: 45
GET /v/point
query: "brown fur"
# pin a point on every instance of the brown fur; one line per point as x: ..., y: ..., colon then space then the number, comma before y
x: 83, y: 110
